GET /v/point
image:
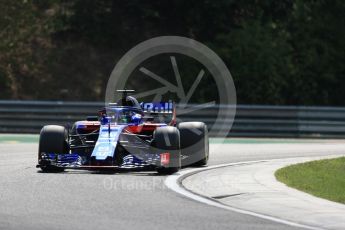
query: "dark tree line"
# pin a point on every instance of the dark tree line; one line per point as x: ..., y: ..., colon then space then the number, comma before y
x: 279, y: 52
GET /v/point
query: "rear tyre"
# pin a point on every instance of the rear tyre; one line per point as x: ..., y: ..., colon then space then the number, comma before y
x: 167, y: 140
x: 194, y: 143
x: 53, y: 139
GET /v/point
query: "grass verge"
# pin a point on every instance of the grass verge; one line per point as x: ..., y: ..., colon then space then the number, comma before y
x: 323, y: 178
x: 18, y: 138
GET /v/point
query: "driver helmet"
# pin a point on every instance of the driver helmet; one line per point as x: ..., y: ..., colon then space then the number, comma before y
x: 136, y: 118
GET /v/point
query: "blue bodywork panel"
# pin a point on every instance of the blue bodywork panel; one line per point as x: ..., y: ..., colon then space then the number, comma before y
x: 107, y: 141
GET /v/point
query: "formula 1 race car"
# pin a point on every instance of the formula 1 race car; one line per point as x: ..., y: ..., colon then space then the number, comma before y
x: 125, y: 135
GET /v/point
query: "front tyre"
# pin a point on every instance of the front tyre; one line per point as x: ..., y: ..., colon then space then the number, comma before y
x: 53, y: 139
x: 167, y: 140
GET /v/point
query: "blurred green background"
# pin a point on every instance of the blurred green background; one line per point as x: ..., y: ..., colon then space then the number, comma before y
x: 287, y: 52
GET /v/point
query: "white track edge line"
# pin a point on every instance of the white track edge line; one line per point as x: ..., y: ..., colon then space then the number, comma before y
x: 173, y: 183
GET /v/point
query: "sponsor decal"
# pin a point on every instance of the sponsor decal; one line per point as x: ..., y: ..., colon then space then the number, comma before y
x: 157, y: 107
x: 165, y: 158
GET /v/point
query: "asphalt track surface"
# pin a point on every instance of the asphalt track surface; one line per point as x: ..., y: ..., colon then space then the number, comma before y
x: 137, y: 200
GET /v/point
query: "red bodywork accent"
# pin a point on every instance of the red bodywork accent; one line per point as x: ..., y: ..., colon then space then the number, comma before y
x: 89, y: 125
x: 165, y: 159
x: 146, y: 127
x: 173, y: 120
x: 136, y: 129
